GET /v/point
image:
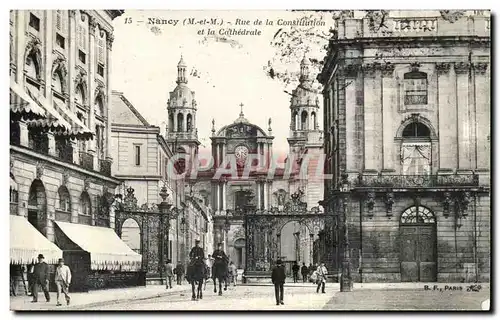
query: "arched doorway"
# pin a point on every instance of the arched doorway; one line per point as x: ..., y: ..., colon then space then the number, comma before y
x: 239, y: 248
x: 295, y: 245
x: 37, y: 206
x: 418, y: 245
x: 131, y: 234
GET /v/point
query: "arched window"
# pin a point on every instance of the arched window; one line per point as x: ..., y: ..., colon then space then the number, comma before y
x: 57, y: 82
x: 32, y: 65
x: 313, y: 119
x: 303, y: 120
x: 295, y: 121
x: 417, y: 215
x: 80, y: 95
x: 64, y: 199
x: 99, y: 106
x: 180, y: 122
x: 171, y: 122
x: 416, y: 149
x: 85, y: 204
x: 189, y: 122
x: 415, y: 86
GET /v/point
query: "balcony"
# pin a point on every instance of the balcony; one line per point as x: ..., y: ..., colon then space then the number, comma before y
x: 182, y: 135
x: 86, y: 160
x: 105, y: 167
x: 417, y: 181
x: 65, y: 153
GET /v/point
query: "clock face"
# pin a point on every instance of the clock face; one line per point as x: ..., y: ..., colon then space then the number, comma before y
x: 241, y: 153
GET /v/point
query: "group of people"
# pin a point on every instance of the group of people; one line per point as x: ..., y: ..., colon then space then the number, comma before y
x: 278, y: 276
x: 39, y: 280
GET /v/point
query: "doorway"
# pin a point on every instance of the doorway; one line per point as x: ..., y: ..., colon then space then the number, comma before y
x: 37, y: 200
x: 418, y: 245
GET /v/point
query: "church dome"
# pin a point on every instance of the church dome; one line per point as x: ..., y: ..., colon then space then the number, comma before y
x: 305, y: 95
x: 182, y: 97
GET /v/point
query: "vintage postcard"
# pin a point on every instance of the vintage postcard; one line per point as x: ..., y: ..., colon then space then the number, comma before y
x: 250, y: 160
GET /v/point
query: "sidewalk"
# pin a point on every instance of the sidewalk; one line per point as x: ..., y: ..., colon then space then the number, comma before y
x: 81, y: 300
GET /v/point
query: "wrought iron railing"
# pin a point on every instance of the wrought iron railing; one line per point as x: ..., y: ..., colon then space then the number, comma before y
x: 86, y: 160
x: 65, y: 153
x: 417, y: 181
x: 105, y: 167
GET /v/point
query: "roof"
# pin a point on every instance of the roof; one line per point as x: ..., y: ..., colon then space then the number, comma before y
x: 123, y: 112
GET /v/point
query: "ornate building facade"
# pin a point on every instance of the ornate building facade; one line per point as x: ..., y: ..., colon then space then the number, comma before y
x: 407, y: 122
x: 59, y: 138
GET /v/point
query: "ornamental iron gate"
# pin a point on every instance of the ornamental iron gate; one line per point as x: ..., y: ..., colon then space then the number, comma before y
x: 263, y: 231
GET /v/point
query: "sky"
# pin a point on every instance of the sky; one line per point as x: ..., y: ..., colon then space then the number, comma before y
x: 228, y: 72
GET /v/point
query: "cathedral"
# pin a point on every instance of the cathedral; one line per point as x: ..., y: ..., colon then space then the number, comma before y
x: 255, y: 191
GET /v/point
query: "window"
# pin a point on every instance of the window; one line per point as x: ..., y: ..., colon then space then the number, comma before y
x: 81, y: 56
x: 100, y: 70
x: 100, y: 50
x: 415, y: 86
x: 416, y: 149
x: 86, y: 206
x: 64, y: 199
x: 57, y: 82
x: 417, y: 215
x: 60, y: 41
x: 80, y: 99
x: 137, y: 155
x: 34, y: 22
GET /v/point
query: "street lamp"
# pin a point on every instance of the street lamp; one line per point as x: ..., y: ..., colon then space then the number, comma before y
x: 164, y: 207
x: 345, y: 280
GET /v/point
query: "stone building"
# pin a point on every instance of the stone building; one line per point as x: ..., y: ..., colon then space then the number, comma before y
x: 142, y: 155
x: 407, y: 136
x: 60, y: 160
x: 231, y: 198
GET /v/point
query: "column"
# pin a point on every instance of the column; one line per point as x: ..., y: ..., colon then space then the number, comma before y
x: 23, y: 134
x: 269, y: 153
x: 91, y: 87
x: 52, y: 144
x: 463, y: 121
x: 223, y: 152
x: 350, y: 121
x: 372, y: 100
x: 175, y: 122
x: 278, y: 237
x: 19, y: 43
x: 107, y: 141
x: 447, y: 114
x: 388, y: 101
x: 311, y: 253
x: 47, y: 46
x: 216, y: 207
x: 482, y: 95
x: 258, y: 196
x: 224, y: 196
x: 72, y: 58
x: 265, y: 194
x: 184, y: 123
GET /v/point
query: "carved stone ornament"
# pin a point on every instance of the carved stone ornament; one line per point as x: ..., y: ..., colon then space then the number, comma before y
x: 452, y: 15
x: 377, y: 20
x: 72, y: 13
x: 442, y: 67
x: 415, y: 66
x: 65, y: 178
x: 92, y: 25
x: 447, y: 201
x: 480, y: 67
x: 389, y: 201
x: 81, y: 80
x: 465, y: 198
x: 109, y: 41
x: 86, y: 184
x: 387, y: 69
x: 462, y: 67
x: 59, y: 66
x: 370, y: 203
x: 100, y: 92
x: 34, y: 48
x: 11, y: 166
x: 370, y: 68
x: 39, y: 170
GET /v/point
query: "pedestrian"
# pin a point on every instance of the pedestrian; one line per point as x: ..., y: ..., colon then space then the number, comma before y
x: 41, y: 279
x: 31, y: 282
x: 233, y: 273
x: 179, y: 272
x: 305, y: 272
x: 63, y: 280
x: 169, y: 273
x: 295, y: 270
x: 311, y: 269
x: 322, y: 272
x: 278, y: 278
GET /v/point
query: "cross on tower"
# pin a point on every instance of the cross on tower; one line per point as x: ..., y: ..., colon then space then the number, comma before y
x: 241, y: 108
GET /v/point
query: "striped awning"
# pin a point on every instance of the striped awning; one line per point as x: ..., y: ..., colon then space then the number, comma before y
x: 22, y: 105
x: 26, y: 243
x: 60, y: 120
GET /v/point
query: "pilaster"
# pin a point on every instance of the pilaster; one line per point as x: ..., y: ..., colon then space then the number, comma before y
x: 446, y: 113
x: 388, y: 92
x: 463, y: 110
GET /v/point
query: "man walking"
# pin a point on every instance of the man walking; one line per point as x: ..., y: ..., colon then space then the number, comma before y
x: 295, y: 270
x: 179, y: 272
x: 304, y: 271
x: 169, y: 273
x: 63, y: 280
x: 41, y: 279
x: 322, y: 272
x: 278, y: 278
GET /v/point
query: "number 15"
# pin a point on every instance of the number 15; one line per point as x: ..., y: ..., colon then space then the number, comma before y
x: 128, y: 20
